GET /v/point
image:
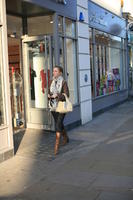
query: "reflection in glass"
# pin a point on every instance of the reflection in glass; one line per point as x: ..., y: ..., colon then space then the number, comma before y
x: 60, y: 24
x: 61, y: 52
x: 71, y: 69
x: 115, y: 41
x: 70, y: 27
x: 14, y: 25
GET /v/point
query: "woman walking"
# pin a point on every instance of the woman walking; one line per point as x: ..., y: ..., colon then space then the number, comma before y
x: 58, y: 86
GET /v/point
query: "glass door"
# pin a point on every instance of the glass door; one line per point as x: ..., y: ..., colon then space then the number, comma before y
x: 38, y: 62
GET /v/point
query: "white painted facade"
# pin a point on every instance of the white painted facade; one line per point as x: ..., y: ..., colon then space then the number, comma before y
x: 6, y: 137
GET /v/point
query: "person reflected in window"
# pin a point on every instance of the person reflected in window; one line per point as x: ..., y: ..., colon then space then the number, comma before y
x: 57, y: 87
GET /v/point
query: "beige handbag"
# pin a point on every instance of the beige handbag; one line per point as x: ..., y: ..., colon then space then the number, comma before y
x: 64, y: 106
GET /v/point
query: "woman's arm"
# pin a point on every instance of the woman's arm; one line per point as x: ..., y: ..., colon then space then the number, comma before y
x: 49, y: 93
x: 65, y: 90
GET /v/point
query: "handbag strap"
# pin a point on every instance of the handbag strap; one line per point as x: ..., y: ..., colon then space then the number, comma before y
x: 66, y: 97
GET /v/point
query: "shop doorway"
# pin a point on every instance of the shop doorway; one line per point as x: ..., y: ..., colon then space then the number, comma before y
x: 30, y: 41
x: 16, y: 83
x: 37, y: 62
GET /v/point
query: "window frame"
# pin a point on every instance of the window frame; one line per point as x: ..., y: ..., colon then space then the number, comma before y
x: 64, y: 37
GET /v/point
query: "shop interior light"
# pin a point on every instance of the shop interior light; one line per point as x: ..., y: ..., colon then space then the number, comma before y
x: 51, y: 20
x: 13, y: 35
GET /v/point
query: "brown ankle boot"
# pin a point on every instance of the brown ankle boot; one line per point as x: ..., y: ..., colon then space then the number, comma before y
x: 65, y: 137
x: 56, y: 149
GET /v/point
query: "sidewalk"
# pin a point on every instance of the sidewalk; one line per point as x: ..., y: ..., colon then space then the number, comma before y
x: 96, y: 165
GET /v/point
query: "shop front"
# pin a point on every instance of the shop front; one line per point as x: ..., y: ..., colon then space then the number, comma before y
x: 38, y: 35
x: 107, y: 57
x: 41, y: 34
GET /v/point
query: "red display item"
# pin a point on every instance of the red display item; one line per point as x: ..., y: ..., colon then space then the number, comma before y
x: 44, y: 79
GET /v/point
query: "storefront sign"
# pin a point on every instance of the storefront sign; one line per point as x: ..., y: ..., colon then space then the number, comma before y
x: 106, y: 21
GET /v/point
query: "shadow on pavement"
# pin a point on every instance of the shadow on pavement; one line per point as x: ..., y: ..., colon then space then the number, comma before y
x: 17, y: 138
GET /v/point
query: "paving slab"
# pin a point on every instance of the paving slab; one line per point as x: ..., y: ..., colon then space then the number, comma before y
x: 57, y: 191
x: 115, y: 196
x: 113, y: 182
x: 73, y: 178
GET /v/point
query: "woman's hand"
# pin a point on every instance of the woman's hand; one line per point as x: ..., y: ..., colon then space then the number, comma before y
x: 54, y: 96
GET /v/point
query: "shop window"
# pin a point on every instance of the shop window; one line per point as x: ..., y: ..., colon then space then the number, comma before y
x: 41, y: 25
x: 2, y: 116
x: 70, y: 27
x: 71, y: 69
x: 60, y: 24
x: 14, y: 26
x: 130, y: 36
x: 61, y: 44
x: 131, y: 67
x: 67, y: 48
x: 108, y: 70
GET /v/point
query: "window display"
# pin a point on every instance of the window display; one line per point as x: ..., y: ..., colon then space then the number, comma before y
x: 60, y: 24
x: 108, y: 65
x: 35, y: 28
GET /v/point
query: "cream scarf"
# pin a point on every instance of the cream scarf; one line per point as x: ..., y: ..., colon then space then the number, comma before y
x: 55, y: 88
x: 56, y: 85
